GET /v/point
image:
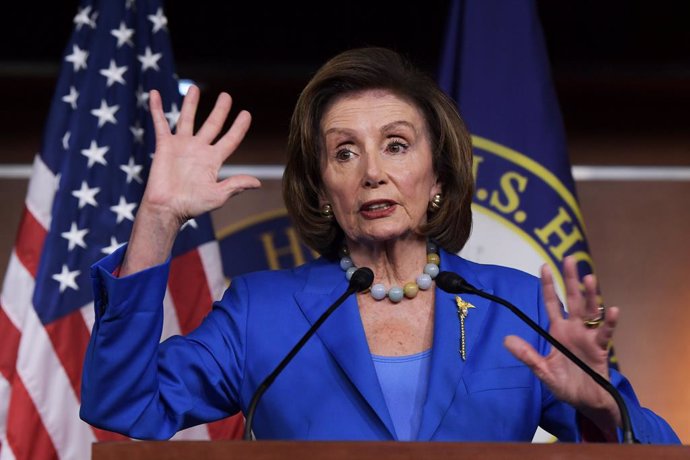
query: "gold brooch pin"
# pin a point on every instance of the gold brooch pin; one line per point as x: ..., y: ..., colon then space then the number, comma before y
x: 463, y: 311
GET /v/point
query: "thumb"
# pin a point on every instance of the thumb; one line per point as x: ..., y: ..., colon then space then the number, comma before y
x: 527, y: 354
x: 237, y: 184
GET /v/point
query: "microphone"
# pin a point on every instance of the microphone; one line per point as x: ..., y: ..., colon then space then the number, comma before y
x: 455, y: 284
x: 360, y: 281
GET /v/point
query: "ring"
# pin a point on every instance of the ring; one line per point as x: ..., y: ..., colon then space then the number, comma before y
x: 598, y: 321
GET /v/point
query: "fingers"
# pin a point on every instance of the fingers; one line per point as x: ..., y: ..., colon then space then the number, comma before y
x: 606, y: 330
x: 160, y: 123
x: 528, y: 355
x: 230, y: 140
x: 551, y: 301
x: 185, y: 123
x: 571, y: 279
x: 591, y: 308
x: 214, y: 123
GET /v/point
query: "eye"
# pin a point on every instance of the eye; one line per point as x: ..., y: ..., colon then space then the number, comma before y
x: 397, y: 146
x: 344, y: 154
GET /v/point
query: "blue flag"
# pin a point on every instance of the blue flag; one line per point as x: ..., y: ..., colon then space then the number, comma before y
x: 525, y: 209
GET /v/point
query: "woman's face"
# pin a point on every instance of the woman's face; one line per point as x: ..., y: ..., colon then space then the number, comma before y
x: 376, y: 166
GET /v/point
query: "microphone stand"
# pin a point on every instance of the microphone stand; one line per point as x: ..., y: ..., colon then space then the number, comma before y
x: 360, y: 281
x: 455, y: 284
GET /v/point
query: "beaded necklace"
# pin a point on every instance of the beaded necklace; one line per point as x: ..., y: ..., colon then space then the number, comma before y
x: 396, y: 293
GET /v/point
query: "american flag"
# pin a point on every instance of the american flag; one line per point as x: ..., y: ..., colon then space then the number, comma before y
x: 82, y: 197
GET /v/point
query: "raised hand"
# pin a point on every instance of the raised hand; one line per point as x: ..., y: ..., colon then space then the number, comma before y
x: 565, y: 380
x: 183, y: 182
x: 184, y: 175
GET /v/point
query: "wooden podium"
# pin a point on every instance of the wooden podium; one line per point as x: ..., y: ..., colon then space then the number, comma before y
x: 298, y: 450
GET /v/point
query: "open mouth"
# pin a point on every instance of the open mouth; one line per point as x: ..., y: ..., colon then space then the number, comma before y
x: 379, y: 208
x: 376, y: 206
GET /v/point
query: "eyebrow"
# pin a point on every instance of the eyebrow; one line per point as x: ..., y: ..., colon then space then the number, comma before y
x: 337, y: 131
x: 391, y: 126
x: 386, y: 128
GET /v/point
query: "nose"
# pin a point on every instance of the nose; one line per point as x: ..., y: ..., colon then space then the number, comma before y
x: 374, y: 173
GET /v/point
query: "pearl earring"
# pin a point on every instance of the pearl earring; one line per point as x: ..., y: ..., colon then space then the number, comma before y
x: 435, y: 203
x: 327, y: 211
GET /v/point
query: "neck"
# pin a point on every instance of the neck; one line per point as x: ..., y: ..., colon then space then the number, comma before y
x: 393, y: 262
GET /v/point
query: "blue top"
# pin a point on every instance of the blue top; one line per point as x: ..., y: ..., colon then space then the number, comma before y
x: 404, y: 381
x: 134, y: 385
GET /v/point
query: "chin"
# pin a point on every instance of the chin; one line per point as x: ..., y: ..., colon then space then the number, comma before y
x: 381, y: 235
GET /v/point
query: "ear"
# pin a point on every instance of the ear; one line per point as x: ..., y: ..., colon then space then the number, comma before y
x: 323, y: 199
x: 436, y: 188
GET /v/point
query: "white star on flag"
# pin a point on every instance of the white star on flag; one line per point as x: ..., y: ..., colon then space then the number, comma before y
x: 132, y: 170
x: 149, y: 60
x: 86, y: 195
x: 137, y: 132
x: 123, y: 210
x: 173, y: 115
x: 113, y: 246
x: 190, y: 223
x: 123, y: 35
x: 75, y: 236
x: 67, y: 279
x: 142, y: 98
x: 96, y: 154
x: 77, y: 58
x: 71, y: 98
x: 130, y: 4
x: 83, y: 19
x: 105, y: 113
x: 65, y: 140
x: 114, y: 73
x: 159, y: 20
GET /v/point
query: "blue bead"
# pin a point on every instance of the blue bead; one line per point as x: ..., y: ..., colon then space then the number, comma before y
x: 349, y: 272
x: 424, y: 281
x: 431, y: 247
x: 396, y: 294
x: 346, y: 263
x: 431, y: 270
x: 378, y: 291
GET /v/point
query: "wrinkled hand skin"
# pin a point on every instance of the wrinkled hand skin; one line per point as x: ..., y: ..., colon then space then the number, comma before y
x: 183, y: 181
x: 565, y: 380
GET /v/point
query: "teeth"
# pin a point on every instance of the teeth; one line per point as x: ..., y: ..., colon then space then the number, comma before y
x: 376, y: 207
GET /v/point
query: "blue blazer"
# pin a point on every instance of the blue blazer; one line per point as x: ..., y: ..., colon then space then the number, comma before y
x: 330, y: 391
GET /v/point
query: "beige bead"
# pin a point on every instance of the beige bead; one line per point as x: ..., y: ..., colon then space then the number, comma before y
x: 410, y: 290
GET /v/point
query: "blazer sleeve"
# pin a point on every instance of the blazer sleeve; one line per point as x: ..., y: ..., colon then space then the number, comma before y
x: 133, y: 385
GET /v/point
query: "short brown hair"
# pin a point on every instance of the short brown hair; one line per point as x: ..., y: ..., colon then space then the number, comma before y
x: 365, y: 69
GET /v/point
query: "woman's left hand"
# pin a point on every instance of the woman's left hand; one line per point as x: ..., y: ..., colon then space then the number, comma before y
x: 565, y: 380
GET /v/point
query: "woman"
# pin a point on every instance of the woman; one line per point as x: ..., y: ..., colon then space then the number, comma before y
x: 378, y: 175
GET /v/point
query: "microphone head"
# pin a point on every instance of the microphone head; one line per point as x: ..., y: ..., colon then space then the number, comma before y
x: 361, y: 279
x: 453, y: 283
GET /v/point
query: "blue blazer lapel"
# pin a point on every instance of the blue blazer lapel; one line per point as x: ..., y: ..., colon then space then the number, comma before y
x: 447, y: 366
x: 343, y: 334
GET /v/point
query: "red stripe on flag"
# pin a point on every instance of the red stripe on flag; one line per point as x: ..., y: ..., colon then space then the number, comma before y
x: 189, y: 290
x: 26, y: 434
x: 29, y: 244
x: 70, y: 337
x: 228, y: 428
x: 10, y: 344
x: 103, y: 435
x: 8, y: 351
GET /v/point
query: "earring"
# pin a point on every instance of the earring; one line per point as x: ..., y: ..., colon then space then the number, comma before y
x: 327, y: 211
x: 435, y: 203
